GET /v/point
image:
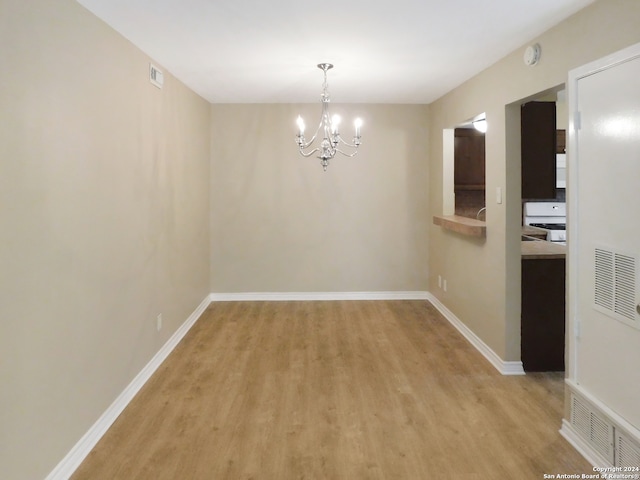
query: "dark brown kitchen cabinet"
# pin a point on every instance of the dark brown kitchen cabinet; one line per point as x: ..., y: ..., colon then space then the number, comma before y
x: 561, y: 141
x: 538, y: 144
x: 469, y: 161
x: 543, y: 312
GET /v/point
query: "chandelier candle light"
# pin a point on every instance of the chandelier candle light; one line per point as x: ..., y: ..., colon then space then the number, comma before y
x: 330, y: 130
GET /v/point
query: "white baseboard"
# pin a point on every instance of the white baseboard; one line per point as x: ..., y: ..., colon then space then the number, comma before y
x: 307, y: 296
x: 619, y: 421
x: 77, y: 454
x: 505, y: 368
x: 576, y: 441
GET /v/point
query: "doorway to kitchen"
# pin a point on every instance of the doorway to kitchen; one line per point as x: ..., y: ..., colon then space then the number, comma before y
x: 542, y: 120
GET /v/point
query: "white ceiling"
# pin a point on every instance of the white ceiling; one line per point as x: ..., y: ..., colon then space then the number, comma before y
x: 266, y: 51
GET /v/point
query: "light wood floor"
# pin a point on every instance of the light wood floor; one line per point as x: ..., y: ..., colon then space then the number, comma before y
x: 334, y: 390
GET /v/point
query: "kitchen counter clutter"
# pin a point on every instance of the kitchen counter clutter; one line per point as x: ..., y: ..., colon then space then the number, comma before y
x: 541, y: 249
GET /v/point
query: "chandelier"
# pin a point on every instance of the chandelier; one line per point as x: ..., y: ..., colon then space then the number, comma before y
x: 329, y: 127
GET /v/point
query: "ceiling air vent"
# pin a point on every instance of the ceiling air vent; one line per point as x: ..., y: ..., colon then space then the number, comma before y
x: 615, y: 285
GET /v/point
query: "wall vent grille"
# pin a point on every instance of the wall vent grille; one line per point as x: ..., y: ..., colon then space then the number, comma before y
x: 615, y: 285
x: 601, y: 434
x: 604, y: 279
x: 580, y: 417
x: 625, y: 280
x: 156, y: 76
x: 627, y: 451
x: 592, y: 427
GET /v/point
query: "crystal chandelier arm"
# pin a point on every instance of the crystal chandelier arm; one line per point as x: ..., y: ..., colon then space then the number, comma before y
x: 347, y: 154
x: 356, y: 143
x: 309, y: 153
x: 304, y: 144
x: 313, y: 139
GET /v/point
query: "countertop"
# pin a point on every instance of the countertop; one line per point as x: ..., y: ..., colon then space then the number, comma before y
x: 541, y: 249
x: 533, y: 231
x: 534, y: 249
x: 463, y: 225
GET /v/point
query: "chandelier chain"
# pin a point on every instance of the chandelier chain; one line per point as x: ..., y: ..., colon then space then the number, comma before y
x: 325, y: 86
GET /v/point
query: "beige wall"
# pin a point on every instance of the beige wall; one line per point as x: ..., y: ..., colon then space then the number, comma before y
x: 281, y: 224
x: 108, y: 187
x: 103, y: 219
x: 484, y: 276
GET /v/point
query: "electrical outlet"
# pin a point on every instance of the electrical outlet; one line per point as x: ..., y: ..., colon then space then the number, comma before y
x: 439, y: 281
x: 444, y: 285
x: 159, y: 322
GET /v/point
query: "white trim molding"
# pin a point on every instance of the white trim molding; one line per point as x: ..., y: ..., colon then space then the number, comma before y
x: 504, y: 367
x: 67, y: 466
x: 308, y: 296
x: 619, y: 421
x: 80, y: 450
x: 596, y: 407
x: 583, y: 448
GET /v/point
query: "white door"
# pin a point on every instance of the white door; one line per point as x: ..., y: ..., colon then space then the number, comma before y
x: 604, y: 234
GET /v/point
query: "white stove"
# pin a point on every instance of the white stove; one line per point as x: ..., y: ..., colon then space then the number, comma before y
x: 550, y: 216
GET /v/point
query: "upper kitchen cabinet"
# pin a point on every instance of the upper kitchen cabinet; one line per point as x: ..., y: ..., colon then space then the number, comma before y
x: 468, y: 172
x: 561, y: 141
x: 538, y: 143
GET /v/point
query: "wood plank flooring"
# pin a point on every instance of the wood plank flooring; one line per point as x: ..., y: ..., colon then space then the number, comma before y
x: 334, y: 390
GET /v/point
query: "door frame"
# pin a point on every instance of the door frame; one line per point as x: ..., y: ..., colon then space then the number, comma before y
x: 573, y: 165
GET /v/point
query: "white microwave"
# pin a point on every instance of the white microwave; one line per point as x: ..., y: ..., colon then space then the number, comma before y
x: 561, y: 170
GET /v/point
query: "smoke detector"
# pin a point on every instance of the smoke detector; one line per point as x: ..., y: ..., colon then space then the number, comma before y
x: 532, y: 55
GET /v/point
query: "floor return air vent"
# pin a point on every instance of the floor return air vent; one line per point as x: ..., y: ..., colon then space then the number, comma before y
x: 627, y: 451
x: 606, y: 438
